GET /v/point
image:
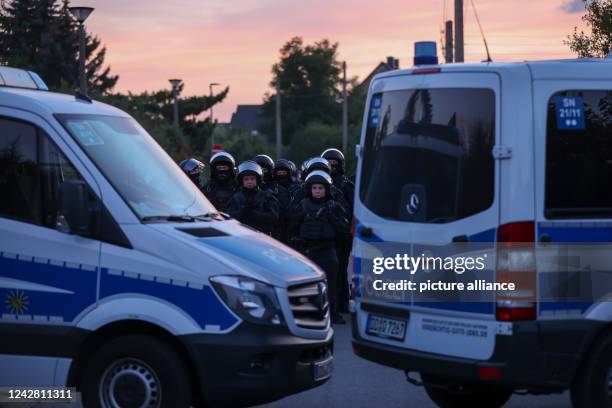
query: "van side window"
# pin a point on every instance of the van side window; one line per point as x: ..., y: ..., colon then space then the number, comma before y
x: 579, y: 155
x: 31, y: 171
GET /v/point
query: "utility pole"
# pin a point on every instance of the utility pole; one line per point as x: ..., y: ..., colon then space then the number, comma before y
x: 175, y: 86
x: 212, y: 135
x: 81, y: 14
x: 458, y: 30
x: 448, y: 43
x: 344, y: 110
x: 278, y: 120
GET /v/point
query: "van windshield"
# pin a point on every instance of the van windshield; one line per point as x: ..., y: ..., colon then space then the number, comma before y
x: 428, y: 154
x: 137, y: 167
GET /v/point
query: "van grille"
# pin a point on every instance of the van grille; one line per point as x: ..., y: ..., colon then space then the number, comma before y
x: 310, y: 305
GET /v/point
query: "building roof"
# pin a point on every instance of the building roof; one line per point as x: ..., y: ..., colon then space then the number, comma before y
x: 247, y: 117
x: 390, y: 65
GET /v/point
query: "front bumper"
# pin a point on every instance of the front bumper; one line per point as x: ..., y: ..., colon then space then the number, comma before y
x: 255, y: 364
x: 540, y: 356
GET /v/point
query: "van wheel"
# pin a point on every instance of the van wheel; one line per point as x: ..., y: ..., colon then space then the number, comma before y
x: 472, y: 396
x: 135, y: 371
x: 592, y: 386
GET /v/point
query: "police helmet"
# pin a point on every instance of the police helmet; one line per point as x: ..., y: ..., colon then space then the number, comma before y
x: 284, y: 164
x: 249, y: 167
x: 318, y: 163
x: 318, y: 177
x: 335, y: 154
x: 222, y: 158
x: 193, y: 168
x: 264, y: 161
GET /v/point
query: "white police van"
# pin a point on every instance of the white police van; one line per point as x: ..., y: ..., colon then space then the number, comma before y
x: 119, y: 278
x: 509, y: 159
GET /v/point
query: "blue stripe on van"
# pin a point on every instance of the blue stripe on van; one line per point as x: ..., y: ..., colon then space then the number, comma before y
x: 67, y: 290
x: 553, y: 306
x: 566, y: 232
x: 201, y: 304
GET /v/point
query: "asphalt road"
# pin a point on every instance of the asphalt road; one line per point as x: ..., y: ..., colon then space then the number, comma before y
x: 359, y: 383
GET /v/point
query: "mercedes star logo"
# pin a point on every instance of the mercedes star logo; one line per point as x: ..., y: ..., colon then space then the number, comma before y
x: 413, y: 204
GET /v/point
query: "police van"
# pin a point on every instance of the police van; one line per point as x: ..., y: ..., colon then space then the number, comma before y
x: 119, y: 278
x: 510, y: 160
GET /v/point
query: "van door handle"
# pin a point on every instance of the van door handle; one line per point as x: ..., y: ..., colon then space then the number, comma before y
x: 545, y: 238
x: 461, y: 238
x: 366, y: 232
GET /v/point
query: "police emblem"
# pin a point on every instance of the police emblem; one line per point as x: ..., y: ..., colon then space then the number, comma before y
x: 17, y: 302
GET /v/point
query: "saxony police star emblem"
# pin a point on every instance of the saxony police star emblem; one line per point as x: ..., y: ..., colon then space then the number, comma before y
x: 17, y: 302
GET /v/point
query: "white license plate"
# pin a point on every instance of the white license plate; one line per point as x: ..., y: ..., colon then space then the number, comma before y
x: 386, y: 327
x: 323, y: 369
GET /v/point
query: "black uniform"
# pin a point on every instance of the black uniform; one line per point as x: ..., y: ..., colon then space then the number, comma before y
x: 253, y: 206
x: 222, y: 184
x: 318, y: 223
x: 345, y: 243
x: 256, y: 208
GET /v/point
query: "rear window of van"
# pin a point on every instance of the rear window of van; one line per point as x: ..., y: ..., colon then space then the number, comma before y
x: 428, y: 154
x: 579, y: 155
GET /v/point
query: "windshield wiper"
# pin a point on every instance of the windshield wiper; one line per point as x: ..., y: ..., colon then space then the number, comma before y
x: 217, y: 215
x: 170, y: 218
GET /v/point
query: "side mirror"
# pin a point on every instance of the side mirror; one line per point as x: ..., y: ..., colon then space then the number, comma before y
x: 74, y: 215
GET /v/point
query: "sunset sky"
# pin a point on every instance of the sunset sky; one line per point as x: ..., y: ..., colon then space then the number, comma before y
x: 236, y: 42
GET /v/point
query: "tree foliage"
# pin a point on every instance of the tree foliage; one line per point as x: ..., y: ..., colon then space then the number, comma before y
x: 42, y: 36
x: 598, y: 42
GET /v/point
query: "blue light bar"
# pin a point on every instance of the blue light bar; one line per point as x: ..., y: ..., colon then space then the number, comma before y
x: 425, y: 53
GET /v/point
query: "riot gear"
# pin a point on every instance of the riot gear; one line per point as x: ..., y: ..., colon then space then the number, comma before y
x: 317, y: 163
x: 222, y: 184
x: 193, y: 168
x: 250, y: 167
x: 335, y: 155
x: 267, y: 165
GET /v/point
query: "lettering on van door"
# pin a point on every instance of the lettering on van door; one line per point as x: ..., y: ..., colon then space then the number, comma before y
x: 457, y: 328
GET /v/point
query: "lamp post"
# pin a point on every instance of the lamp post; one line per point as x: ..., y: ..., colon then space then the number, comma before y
x: 212, y: 135
x: 81, y: 14
x: 175, y: 84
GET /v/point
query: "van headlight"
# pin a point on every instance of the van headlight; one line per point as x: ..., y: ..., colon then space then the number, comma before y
x: 251, y: 300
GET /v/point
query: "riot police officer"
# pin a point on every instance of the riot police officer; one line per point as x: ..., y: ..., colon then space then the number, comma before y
x: 284, y: 174
x: 250, y: 204
x: 267, y: 166
x: 319, y: 221
x: 337, y: 164
x: 193, y: 168
x: 344, y: 184
x: 314, y: 164
x: 222, y: 184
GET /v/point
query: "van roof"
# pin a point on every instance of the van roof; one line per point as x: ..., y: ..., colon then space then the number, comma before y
x: 44, y: 102
x: 576, y: 68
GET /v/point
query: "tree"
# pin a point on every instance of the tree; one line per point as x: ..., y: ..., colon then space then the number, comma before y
x: 598, y: 18
x: 309, y: 81
x: 42, y: 35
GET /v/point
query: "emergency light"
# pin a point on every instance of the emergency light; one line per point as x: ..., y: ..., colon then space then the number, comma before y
x: 20, y: 78
x: 425, y: 53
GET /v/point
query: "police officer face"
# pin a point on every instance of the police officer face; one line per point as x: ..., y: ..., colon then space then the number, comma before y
x: 282, y: 174
x: 222, y: 171
x: 249, y: 181
x: 318, y: 190
x: 334, y: 165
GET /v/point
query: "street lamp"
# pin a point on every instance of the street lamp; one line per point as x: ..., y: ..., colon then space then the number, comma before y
x: 81, y: 14
x: 212, y: 135
x: 175, y: 84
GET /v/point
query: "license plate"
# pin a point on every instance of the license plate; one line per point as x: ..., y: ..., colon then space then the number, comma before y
x: 386, y: 327
x: 323, y: 369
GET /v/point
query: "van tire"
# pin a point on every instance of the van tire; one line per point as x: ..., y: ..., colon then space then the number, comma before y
x: 472, y: 396
x: 143, y: 364
x: 590, y: 386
